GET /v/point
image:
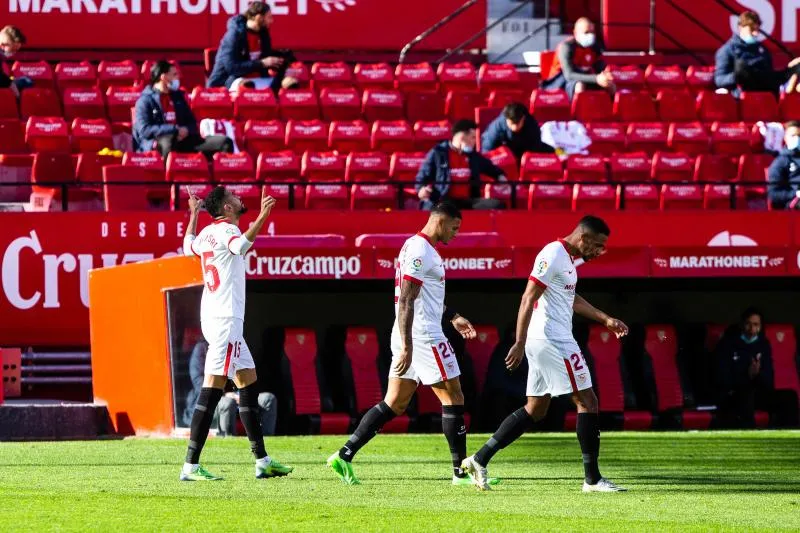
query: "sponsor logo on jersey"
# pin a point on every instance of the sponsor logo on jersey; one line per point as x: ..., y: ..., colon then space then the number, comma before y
x: 416, y: 264
x: 541, y: 268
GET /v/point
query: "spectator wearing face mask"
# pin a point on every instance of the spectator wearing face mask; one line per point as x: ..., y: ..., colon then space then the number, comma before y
x: 245, y: 51
x: 578, y: 65
x: 784, y: 171
x: 452, y: 170
x: 164, y: 121
x: 11, y: 41
x: 744, y: 64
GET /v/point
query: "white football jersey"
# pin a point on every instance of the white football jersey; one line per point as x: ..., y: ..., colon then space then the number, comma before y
x: 223, y: 271
x: 555, y: 270
x: 420, y: 263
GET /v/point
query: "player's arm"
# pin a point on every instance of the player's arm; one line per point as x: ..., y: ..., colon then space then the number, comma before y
x: 532, y: 293
x: 409, y: 291
x: 191, y: 231
x: 462, y: 325
x: 240, y: 244
x: 587, y: 310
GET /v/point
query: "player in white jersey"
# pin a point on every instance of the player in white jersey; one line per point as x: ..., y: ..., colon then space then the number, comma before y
x: 555, y: 363
x: 221, y: 247
x: 420, y: 350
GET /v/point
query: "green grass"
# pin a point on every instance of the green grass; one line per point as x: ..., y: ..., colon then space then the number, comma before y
x: 677, y: 481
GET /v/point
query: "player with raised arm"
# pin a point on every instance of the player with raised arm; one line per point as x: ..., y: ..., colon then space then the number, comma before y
x: 555, y: 363
x: 221, y: 247
x: 420, y: 350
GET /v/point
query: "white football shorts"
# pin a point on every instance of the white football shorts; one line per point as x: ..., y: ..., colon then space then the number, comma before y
x: 555, y: 367
x: 432, y: 360
x: 227, y: 351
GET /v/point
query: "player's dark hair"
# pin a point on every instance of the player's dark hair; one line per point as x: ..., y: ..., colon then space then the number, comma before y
x: 792, y: 124
x: 749, y: 18
x: 750, y: 311
x: 158, y: 69
x: 215, y: 200
x: 447, y: 209
x: 514, y: 112
x: 255, y: 9
x: 594, y: 225
x: 464, y: 125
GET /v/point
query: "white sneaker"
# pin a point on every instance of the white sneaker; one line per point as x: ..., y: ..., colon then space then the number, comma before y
x: 480, y: 478
x: 603, y: 485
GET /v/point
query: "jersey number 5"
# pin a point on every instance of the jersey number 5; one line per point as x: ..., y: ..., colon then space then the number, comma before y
x: 210, y: 271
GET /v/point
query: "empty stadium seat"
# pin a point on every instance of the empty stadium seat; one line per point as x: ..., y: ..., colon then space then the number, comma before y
x: 511, y: 194
x: 459, y: 104
x: 485, y: 115
x: 457, y: 77
x: 755, y: 106
x: 425, y: 105
x: 684, y: 196
x: 676, y: 106
x: 327, y: 196
x: 281, y: 166
x: 264, y: 136
x: 147, y: 160
x: 410, y: 77
x: 120, y: 100
x: 83, y: 102
x: 428, y: 134
x: 789, y: 106
x: 690, y: 138
x: 382, y: 104
x: 349, y: 136
x: 233, y: 167
x: 712, y: 167
x: 628, y: 78
x: 718, y: 196
x: 373, y: 196
x: 392, y: 136
x: 713, y: 107
x: 12, y: 136
x: 648, y: 137
x: 299, y: 104
x: 367, y: 166
x: 607, y: 137
x: 47, y: 134
x: 91, y: 135
x: 700, y: 78
x: 302, y: 135
x: 753, y: 168
x: 212, y: 103
x: 323, y: 166
x: 658, y: 77
x: 331, y: 75
x: 251, y: 104
x: 9, y: 107
x: 730, y: 138
x: 550, y: 104
x: 585, y: 168
x: 145, y: 72
x: 89, y: 169
x: 51, y: 170
x: 501, y: 98
x: 671, y: 167
x: 639, y: 197
x: 134, y: 197
x: 541, y: 167
x: 299, y: 71
x: 292, y: 195
x: 630, y: 167
x: 504, y: 159
x: 40, y: 72
x: 374, y: 76
x: 39, y: 102
x: 480, y: 350
x: 187, y: 168
x: 497, y: 77
x: 72, y: 74
x: 783, y: 341
x: 117, y: 73
x: 588, y: 198
x: 634, y: 107
x: 543, y: 196
x: 404, y: 166
x: 340, y: 103
x: 592, y: 106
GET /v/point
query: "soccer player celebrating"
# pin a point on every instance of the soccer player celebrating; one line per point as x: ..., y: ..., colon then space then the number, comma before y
x: 555, y: 363
x: 420, y: 350
x: 221, y: 248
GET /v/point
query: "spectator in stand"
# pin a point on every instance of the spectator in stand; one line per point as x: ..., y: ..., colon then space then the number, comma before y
x: 164, y: 121
x: 245, y: 51
x: 456, y: 158
x: 578, y: 65
x: 11, y: 41
x: 744, y: 372
x: 515, y: 128
x: 744, y: 64
x: 784, y: 171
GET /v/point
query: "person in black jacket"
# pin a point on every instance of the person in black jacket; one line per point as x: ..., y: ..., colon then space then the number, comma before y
x: 784, y: 171
x: 245, y: 51
x: 11, y: 41
x: 452, y: 170
x: 164, y: 121
x: 744, y: 371
x: 517, y: 129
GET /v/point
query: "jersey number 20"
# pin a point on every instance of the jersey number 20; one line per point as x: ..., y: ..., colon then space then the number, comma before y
x: 211, y: 270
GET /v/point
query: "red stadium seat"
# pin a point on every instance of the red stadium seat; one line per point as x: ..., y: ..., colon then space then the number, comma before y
x: 497, y: 77
x: 670, y: 167
x: 212, y: 103
x: 134, y: 197
x: 40, y: 72
x: 12, y: 136
x: 425, y: 105
x: 501, y: 98
x: 367, y: 166
x: 544, y: 196
x: 428, y: 134
x: 299, y: 71
x: 660, y: 77
x: 718, y: 196
x: 607, y: 138
x: 592, y: 106
x: 382, y: 104
x: 150, y: 161
x: 353, y: 136
x: 635, y: 107
x: 730, y: 138
x: 250, y: 104
x: 299, y: 104
x: 302, y: 135
x: 187, y: 168
x: 292, y: 196
x: 504, y: 191
x: 392, y: 136
x: 676, y: 106
x: 278, y: 166
x: 39, y: 102
x: 648, y: 137
x: 630, y: 167
x: 233, y: 167
x: 690, y: 138
x: 628, y: 78
x: 340, y: 103
x: 594, y: 197
x: 374, y: 76
x: 147, y: 69
x: 715, y: 168
x: 457, y: 77
x: 323, y: 166
x: 117, y: 73
x: 755, y: 106
x: 327, y: 196
x: 264, y: 136
x: 684, y: 196
x: 504, y: 159
x: 403, y: 166
x: 460, y: 104
x: 713, y: 107
x: 485, y: 115
x: 784, y: 357
x: 70, y: 74
x: 541, y: 167
x: 47, y: 134
x: 790, y: 106
x: 9, y: 108
x: 378, y: 196
x: 415, y: 77
x: 328, y: 75
x: 700, y: 78
x: 53, y: 168
x: 91, y: 135
x: 550, y: 104
x: 83, y: 102
x: 753, y: 168
x: 480, y: 350
x: 17, y: 168
x: 119, y: 101
x: 639, y: 197
x: 585, y: 168
x: 89, y: 169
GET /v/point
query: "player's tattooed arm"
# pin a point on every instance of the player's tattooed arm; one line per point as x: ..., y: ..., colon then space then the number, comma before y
x: 587, y: 310
x: 532, y: 293
x: 409, y: 291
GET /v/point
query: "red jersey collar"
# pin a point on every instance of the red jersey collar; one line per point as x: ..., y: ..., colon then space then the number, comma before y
x: 564, y: 244
x: 221, y: 220
x: 420, y: 234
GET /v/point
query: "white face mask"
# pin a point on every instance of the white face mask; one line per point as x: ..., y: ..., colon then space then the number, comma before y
x: 792, y: 142
x: 586, y: 40
x: 175, y: 84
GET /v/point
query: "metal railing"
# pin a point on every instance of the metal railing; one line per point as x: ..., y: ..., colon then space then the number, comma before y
x: 433, y: 29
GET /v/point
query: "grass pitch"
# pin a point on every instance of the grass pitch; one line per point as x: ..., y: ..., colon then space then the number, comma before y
x: 677, y: 481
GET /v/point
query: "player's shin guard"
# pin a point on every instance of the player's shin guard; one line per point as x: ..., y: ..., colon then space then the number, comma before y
x: 370, y: 424
x: 455, y: 431
x: 510, y: 430
x: 201, y: 422
x: 251, y: 419
x: 588, y: 431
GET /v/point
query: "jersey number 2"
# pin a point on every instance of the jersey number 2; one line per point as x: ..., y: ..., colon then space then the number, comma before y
x: 576, y: 362
x: 211, y: 270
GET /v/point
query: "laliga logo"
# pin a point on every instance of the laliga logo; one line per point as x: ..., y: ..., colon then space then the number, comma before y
x: 340, y: 5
